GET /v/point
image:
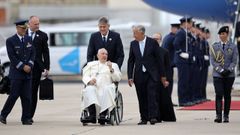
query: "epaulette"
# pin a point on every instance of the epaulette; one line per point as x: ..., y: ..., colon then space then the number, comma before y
x: 215, y: 43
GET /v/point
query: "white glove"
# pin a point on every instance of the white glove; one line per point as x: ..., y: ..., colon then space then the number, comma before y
x: 184, y: 55
x: 206, y: 57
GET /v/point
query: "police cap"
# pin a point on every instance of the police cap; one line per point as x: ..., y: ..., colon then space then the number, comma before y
x: 21, y: 23
x: 177, y: 25
x: 203, y: 29
x: 207, y: 31
x: 198, y: 25
x: 223, y: 29
x: 186, y: 19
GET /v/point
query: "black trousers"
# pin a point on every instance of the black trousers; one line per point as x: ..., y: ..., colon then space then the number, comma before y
x: 35, y: 87
x: 147, y: 96
x: 238, y: 46
x: 184, y: 93
x: 223, y: 89
x: 22, y: 89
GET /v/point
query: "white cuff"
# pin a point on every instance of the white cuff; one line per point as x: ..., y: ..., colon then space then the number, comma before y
x: 184, y: 55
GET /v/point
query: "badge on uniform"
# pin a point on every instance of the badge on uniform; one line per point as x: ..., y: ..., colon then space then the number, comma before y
x: 29, y: 45
x: 46, y: 89
x: 229, y: 51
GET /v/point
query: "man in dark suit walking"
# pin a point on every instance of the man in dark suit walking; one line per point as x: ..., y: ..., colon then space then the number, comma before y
x: 144, y: 70
x: 107, y: 39
x: 112, y: 42
x: 42, y: 61
x: 21, y: 54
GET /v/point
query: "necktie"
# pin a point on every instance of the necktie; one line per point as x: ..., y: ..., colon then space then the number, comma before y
x: 104, y: 40
x: 22, y: 40
x: 142, y: 51
x: 223, y: 45
x: 32, y: 35
x: 141, y: 47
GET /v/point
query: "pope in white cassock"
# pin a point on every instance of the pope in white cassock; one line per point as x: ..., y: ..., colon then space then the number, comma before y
x: 98, y: 76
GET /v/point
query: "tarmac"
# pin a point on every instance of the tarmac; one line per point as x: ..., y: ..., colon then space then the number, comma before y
x: 61, y: 116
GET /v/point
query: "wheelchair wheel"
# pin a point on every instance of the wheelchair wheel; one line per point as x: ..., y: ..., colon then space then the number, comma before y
x: 119, y: 108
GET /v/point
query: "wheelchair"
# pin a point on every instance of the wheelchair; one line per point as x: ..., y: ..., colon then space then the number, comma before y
x: 113, y: 117
x: 4, y: 82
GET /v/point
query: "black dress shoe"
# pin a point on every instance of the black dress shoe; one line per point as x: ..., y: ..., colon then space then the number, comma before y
x: 3, y: 120
x: 102, y: 119
x: 142, y: 122
x: 225, y: 119
x: 31, y: 120
x: 89, y: 119
x: 27, y: 122
x: 218, y: 120
x: 153, y: 121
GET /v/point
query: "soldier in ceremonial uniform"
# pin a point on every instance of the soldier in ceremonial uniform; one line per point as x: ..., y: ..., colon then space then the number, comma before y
x: 21, y: 54
x: 168, y: 44
x: 182, y: 59
x: 223, y: 58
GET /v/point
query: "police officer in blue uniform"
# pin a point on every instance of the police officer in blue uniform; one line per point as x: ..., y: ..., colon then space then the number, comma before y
x: 223, y: 58
x: 181, y: 60
x: 168, y: 44
x: 21, y: 54
x: 206, y: 63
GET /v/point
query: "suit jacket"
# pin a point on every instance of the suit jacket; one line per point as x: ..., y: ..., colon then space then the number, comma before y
x: 42, y: 59
x: 114, y: 47
x: 151, y: 60
x: 20, y: 54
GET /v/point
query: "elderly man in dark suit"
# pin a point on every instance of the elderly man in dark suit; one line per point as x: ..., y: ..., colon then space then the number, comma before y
x: 107, y: 39
x: 21, y: 54
x: 144, y: 70
x: 42, y: 61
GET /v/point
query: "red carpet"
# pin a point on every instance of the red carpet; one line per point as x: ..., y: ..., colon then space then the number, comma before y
x: 210, y: 105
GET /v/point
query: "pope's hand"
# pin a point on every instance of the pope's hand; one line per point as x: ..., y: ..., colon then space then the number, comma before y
x: 130, y: 82
x: 109, y: 64
x: 92, y: 82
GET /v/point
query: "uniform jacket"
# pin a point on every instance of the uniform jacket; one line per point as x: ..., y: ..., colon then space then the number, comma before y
x: 20, y: 54
x: 168, y: 44
x: 180, y: 46
x: 229, y: 54
x: 114, y: 47
x: 151, y: 60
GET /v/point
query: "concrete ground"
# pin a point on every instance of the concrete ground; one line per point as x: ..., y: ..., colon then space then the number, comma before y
x: 61, y: 117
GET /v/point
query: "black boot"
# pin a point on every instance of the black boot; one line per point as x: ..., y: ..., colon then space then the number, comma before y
x: 218, y: 106
x: 227, y: 104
